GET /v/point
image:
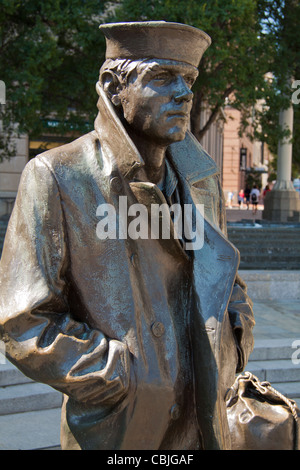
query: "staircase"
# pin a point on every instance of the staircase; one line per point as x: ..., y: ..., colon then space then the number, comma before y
x: 267, y: 247
x: 29, y: 412
x: 278, y: 362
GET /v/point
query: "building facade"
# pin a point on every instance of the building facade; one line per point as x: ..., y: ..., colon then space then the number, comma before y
x: 213, y: 140
x: 241, y: 156
x: 10, y: 174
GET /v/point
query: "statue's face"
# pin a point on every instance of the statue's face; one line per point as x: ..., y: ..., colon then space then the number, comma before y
x: 157, y: 100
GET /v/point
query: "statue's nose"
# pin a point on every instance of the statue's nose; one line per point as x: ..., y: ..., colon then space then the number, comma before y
x: 182, y: 91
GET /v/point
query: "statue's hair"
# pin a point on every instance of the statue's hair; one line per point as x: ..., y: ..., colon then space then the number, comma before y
x: 122, y: 68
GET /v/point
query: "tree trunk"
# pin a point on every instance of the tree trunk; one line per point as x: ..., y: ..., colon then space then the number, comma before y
x: 198, y: 105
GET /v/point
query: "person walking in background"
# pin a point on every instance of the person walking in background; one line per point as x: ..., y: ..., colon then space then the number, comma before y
x: 266, y: 190
x: 254, y: 196
x: 229, y: 199
x: 247, y: 196
x: 241, y: 199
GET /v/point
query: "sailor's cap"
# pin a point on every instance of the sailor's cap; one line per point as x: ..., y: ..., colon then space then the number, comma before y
x: 155, y: 40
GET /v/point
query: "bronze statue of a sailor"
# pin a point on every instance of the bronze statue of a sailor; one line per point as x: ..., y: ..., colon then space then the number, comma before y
x: 116, y: 289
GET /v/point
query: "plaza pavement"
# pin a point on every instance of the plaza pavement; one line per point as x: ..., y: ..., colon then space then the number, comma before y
x: 236, y: 214
x: 278, y: 317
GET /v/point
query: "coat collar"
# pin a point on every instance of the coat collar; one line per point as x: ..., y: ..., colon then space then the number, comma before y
x: 188, y: 157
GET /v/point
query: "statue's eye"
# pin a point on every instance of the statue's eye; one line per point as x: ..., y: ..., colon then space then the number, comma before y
x: 161, y: 78
x: 190, y: 81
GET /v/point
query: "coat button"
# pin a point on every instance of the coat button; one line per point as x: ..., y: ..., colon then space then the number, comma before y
x: 116, y: 184
x: 157, y: 329
x: 175, y: 411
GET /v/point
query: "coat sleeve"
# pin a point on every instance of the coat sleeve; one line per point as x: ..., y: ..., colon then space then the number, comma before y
x: 41, y: 337
x: 240, y: 306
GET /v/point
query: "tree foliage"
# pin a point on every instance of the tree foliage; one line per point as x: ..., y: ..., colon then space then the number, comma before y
x: 281, y: 20
x: 50, y: 54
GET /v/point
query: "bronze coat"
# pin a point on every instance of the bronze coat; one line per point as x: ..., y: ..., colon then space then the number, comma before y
x: 112, y: 323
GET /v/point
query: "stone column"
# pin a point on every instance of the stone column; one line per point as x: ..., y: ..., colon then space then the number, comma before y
x: 282, y: 204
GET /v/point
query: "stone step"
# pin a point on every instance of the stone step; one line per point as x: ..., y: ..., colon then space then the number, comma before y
x: 11, y: 375
x: 276, y: 361
x: 254, y: 264
x: 268, y: 262
x: 28, y: 397
x: 256, y: 239
x: 269, y: 254
x: 265, y: 256
x: 277, y: 246
x: 287, y: 249
x: 264, y: 247
x: 280, y: 370
x: 252, y: 234
x: 289, y: 389
x: 263, y: 239
x: 272, y: 349
x: 275, y: 286
x: 260, y: 228
x: 261, y: 252
x: 33, y: 430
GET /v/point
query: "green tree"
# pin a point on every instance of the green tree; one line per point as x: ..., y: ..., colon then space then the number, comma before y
x: 50, y: 54
x: 254, y: 177
x: 281, y: 20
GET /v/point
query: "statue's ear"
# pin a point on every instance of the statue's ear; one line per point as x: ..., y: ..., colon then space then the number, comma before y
x: 111, y: 86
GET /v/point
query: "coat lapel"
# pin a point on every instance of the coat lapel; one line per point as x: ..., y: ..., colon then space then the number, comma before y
x: 214, y: 270
x: 149, y: 195
x: 215, y: 267
x: 216, y: 262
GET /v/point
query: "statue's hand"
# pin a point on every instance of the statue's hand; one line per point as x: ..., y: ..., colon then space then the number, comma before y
x: 111, y: 384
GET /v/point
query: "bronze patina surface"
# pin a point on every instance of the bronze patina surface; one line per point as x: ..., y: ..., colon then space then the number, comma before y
x: 142, y: 335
